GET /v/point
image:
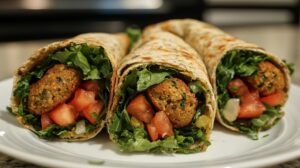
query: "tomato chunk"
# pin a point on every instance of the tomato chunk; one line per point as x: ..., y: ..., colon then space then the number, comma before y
x: 250, y: 97
x: 92, y: 111
x: 140, y: 108
x: 91, y: 85
x: 163, y: 124
x: 45, y: 120
x: 63, y: 115
x: 250, y: 106
x: 237, y: 87
x: 251, y: 110
x: 152, y: 131
x: 82, y: 99
x: 274, y: 99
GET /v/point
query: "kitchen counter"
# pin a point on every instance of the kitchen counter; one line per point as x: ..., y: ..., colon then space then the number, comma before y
x: 282, y: 40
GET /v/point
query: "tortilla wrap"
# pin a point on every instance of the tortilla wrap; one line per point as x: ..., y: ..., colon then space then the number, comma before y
x: 166, y: 51
x: 115, y: 47
x: 212, y: 44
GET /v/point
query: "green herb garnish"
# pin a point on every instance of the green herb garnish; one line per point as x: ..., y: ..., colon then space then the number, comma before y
x: 182, y: 103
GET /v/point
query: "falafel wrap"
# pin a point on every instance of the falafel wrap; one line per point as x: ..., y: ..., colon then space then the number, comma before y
x: 163, y: 100
x: 251, y: 85
x: 64, y: 89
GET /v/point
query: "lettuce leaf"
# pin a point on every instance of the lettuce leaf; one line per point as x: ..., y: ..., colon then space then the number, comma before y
x: 51, y: 131
x: 87, y: 60
x: 134, y: 34
x: 290, y: 66
x: 147, y: 79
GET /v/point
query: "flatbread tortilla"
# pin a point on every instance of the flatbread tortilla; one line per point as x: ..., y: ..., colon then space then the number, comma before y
x: 115, y: 46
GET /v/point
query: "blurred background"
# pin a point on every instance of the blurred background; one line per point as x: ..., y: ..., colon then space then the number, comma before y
x: 27, y: 25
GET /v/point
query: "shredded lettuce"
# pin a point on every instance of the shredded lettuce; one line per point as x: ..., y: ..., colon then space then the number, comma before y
x: 195, y: 87
x: 92, y: 62
x: 253, y: 126
x: 235, y: 63
x: 136, y: 139
x: 134, y: 34
x: 243, y: 63
x: 51, y: 131
x: 147, y: 78
x: 261, y: 121
x: 290, y: 66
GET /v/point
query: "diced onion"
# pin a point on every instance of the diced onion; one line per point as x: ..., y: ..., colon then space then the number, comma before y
x: 231, y: 109
x: 80, y: 127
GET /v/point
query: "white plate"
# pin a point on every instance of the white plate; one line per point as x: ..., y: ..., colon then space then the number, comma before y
x: 227, y: 150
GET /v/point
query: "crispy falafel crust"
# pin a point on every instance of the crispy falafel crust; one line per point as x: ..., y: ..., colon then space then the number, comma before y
x: 174, y: 97
x: 115, y: 47
x: 268, y: 80
x: 55, y: 87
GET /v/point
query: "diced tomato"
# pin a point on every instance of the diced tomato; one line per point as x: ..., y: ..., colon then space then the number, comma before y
x: 237, y: 87
x: 163, y: 124
x: 92, y: 111
x: 140, y: 108
x: 274, y: 99
x: 252, y: 96
x: 82, y: 99
x: 152, y: 131
x: 91, y: 85
x: 45, y: 120
x: 63, y: 115
x: 251, y: 110
x: 250, y: 106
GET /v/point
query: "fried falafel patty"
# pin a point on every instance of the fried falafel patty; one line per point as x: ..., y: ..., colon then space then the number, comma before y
x: 56, y: 86
x: 269, y: 79
x: 174, y: 97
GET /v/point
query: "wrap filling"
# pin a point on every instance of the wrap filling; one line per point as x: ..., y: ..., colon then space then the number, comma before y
x: 251, y: 91
x: 160, y: 110
x: 67, y: 94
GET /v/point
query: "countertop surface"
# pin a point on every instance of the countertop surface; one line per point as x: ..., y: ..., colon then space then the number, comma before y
x: 282, y: 40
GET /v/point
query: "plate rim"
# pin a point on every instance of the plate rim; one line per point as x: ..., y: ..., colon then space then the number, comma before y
x: 44, y: 161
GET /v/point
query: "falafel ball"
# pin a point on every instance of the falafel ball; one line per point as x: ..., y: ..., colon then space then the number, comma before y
x: 269, y: 79
x: 174, y: 97
x: 55, y: 87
